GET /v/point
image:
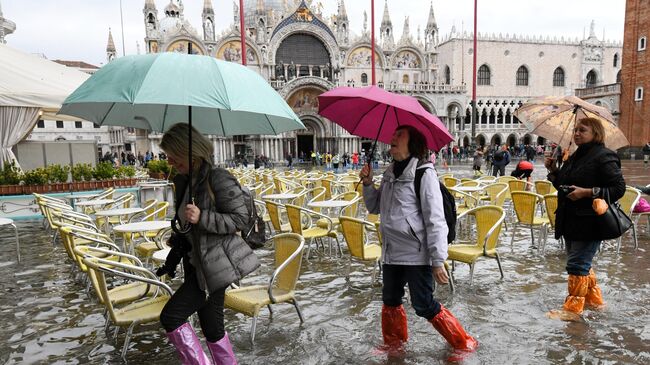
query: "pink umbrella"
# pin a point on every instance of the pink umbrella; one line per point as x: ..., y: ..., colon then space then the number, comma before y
x: 374, y: 113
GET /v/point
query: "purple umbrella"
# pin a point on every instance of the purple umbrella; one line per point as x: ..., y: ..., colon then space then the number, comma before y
x: 374, y: 113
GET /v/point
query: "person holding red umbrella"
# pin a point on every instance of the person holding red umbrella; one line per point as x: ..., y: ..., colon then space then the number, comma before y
x: 414, y: 247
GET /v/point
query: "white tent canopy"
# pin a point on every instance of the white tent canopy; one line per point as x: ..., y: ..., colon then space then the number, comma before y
x: 28, y: 85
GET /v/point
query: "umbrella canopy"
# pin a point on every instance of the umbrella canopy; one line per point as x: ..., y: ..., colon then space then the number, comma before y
x: 154, y: 92
x: 554, y: 118
x: 374, y: 113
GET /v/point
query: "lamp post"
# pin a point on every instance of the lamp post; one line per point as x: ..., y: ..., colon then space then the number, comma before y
x: 474, y: 111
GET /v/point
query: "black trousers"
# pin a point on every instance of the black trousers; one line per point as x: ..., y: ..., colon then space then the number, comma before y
x: 420, y: 281
x: 189, y: 298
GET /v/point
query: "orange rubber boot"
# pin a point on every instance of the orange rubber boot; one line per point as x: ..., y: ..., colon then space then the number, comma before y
x: 578, y: 288
x: 394, y: 328
x: 449, y: 327
x: 594, y: 297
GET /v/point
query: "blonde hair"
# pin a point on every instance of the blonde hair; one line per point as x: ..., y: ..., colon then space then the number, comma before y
x: 175, y: 142
x: 597, y: 128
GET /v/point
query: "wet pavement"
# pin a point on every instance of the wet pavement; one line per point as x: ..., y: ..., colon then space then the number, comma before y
x: 49, y: 318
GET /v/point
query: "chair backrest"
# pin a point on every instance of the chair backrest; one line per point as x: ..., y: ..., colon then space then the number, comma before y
x: 157, y: 213
x: 354, y: 232
x: 489, y: 220
x: 629, y: 199
x: 300, y: 199
x: 543, y: 187
x: 525, y: 204
x: 327, y: 184
x: 550, y: 201
x: 288, y: 258
x: 497, y: 193
x: 275, y: 214
x: 505, y: 179
x: 450, y: 181
x: 106, y: 194
x: 123, y: 201
x: 516, y: 185
x: 295, y: 218
x: 470, y: 182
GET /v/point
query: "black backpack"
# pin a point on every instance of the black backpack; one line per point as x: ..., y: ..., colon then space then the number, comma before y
x: 448, y: 203
x: 499, y: 156
x: 254, y: 232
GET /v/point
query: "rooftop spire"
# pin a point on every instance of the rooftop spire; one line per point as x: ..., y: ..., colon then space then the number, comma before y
x: 207, y: 6
x: 385, y: 21
x: 343, y: 14
x: 149, y: 4
x: 431, y: 23
x: 406, y: 33
x: 110, y: 47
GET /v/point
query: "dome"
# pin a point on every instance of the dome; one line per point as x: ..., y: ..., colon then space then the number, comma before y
x: 276, y: 5
x: 172, y: 9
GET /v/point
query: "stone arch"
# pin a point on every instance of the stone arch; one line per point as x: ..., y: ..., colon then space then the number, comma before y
x: 403, y: 58
x: 224, y: 50
x: 427, y: 105
x: 512, y: 139
x: 357, y: 50
x: 324, y: 36
x: 466, y: 141
x: 592, y: 78
x: 481, y: 139
x: 523, y: 75
x: 304, y: 101
x: 179, y: 44
x: 541, y: 141
x: 527, y: 139
x: 497, y: 139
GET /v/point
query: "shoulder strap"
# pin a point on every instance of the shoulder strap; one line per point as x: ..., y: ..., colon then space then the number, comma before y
x: 418, y: 180
x: 209, y: 183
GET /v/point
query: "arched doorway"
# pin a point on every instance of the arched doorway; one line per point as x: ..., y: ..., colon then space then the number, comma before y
x: 305, y: 140
x: 466, y: 141
x: 496, y: 140
x: 480, y: 139
x: 592, y: 79
x: 527, y: 139
x: 512, y: 140
x: 541, y: 141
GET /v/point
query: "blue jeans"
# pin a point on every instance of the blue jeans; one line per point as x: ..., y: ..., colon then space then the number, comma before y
x: 420, y: 281
x: 580, y: 254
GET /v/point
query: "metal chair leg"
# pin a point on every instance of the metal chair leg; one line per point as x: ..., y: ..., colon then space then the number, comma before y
x: 295, y: 304
x: 253, y: 327
x: 636, y: 243
x: 512, y: 240
x: 499, y: 263
x: 127, y: 340
x: 471, y: 273
x: 18, y: 242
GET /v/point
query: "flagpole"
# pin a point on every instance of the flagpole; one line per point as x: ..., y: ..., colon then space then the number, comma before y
x: 122, y: 22
x: 474, y: 111
x: 242, y: 37
x: 372, y: 39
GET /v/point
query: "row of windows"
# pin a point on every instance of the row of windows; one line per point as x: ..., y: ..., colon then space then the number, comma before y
x: 522, y: 76
x: 59, y: 124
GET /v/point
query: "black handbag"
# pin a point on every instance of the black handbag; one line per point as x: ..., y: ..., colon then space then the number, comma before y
x: 614, y: 222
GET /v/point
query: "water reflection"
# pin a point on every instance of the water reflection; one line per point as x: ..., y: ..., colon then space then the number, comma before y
x: 48, y: 317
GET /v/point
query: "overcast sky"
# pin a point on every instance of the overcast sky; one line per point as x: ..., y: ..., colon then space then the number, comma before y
x: 78, y: 29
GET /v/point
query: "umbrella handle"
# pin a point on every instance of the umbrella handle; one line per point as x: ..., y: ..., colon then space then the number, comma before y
x: 180, y: 230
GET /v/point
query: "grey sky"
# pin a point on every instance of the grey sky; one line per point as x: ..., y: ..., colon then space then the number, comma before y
x: 78, y: 29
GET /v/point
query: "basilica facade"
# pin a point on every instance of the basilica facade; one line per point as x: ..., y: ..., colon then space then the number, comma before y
x: 303, y: 53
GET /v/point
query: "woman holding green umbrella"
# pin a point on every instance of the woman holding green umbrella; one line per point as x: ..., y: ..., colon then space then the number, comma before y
x: 214, y: 255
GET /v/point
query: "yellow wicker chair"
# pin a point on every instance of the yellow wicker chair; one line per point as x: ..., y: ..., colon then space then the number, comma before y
x: 248, y: 300
x: 450, y: 181
x: 495, y: 194
x: 145, y: 310
x: 274, y: 210
x: 544, y: 187
x: 361, y: 249
x: 516, y: 185
x: 550, y: 203
x: 350, y: 210
x: 525, y: 205
x: 123, y: 201
x: 301, y: 223
x: 488, y: 227
x: 628, y: 202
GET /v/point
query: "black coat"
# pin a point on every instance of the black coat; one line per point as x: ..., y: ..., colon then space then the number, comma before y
x: 592, y: 165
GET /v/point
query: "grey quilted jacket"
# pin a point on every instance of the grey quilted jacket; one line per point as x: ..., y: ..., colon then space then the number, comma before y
x: 219, y: 255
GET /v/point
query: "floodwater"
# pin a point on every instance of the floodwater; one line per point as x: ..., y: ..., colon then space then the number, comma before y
x: 49, y: 318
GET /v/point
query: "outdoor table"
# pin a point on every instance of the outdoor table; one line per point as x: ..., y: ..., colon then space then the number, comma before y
x: 140, y: 227
x: 159, y: 190
x: 281, y: 196
x: 161, y: 255
x: 468, y: 189
x: 116, y: 213
x: 330, y: 204
x: 94, y: 203
x: 79, y: 196
x: 10, y: 222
